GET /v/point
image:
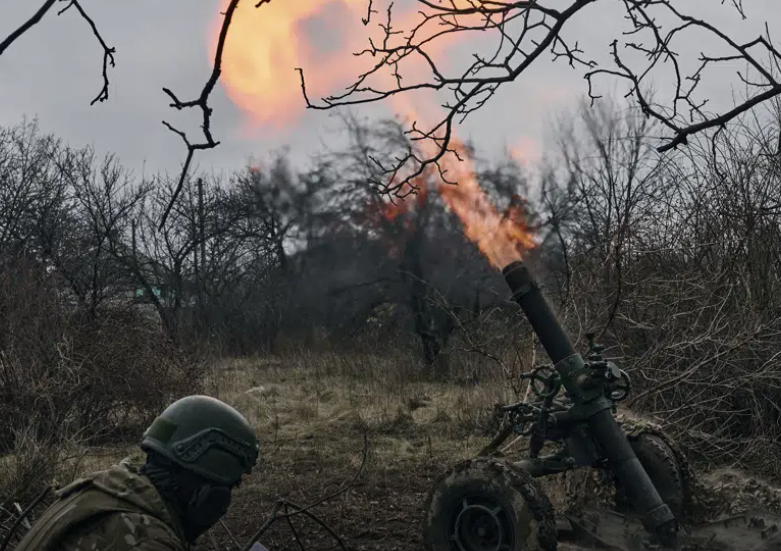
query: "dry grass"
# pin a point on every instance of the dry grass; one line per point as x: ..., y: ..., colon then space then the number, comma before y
x: 306, y: 406
x: 313, y: 394
x: 311, y: 412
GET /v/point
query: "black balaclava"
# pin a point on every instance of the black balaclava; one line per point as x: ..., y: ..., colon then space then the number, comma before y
x: 197, y: 502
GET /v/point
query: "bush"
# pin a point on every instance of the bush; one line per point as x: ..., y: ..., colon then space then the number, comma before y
x: 69, y: 377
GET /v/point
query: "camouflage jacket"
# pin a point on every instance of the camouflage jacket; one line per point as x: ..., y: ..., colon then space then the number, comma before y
x: 113, y: 510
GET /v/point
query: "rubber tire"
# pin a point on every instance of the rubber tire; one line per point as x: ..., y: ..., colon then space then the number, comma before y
x: 659, y: 461
x: 514, y: 488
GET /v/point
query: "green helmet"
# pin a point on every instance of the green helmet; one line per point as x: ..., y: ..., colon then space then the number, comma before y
x: 204, y: 436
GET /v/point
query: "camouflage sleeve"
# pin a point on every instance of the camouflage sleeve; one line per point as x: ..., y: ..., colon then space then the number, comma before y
x: 123, y: 532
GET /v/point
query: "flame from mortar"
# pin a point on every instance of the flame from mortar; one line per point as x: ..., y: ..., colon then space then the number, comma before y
x: 263, y: 48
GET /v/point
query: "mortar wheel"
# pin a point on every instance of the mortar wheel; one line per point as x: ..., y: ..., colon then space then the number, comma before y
x: 487, y: 504
x: 659, y: 461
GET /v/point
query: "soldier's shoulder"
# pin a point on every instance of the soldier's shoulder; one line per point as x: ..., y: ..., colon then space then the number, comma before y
x: 125, y: 531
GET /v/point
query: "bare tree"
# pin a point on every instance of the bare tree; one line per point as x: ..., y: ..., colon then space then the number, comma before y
x: 65, y: 209
x: 276, y: 203
x: 248, y: 276
x: 422, y: 265
x: 526, y: 31
x: 167, y: 263
x: 26, y: 159
x: 616, y: 199
x: 104, y: 196
x: 677, y: 261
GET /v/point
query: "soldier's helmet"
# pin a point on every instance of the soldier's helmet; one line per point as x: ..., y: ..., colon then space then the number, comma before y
x: 204, y: 436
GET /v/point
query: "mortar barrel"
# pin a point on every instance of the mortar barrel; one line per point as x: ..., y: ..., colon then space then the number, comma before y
x: 527, y: 294
x: 655, y: 515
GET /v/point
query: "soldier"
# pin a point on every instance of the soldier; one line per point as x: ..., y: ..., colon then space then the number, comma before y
x: 197, y: 451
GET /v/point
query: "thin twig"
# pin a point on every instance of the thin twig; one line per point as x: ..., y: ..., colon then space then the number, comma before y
x: 285, y: 505
x: 22, y: 516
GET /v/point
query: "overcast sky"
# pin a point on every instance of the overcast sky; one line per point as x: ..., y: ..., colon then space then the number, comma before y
x: 53, y: 72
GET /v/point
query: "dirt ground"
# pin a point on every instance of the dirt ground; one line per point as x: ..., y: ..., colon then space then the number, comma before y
x: 313, y: 428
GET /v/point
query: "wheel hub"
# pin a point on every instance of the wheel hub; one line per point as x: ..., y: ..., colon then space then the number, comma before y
x: 482, y: 526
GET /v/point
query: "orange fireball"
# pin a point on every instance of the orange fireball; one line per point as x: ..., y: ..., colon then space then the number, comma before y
x: 264, y: 46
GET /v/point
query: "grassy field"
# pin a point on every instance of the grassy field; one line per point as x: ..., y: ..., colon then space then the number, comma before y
x: 313, y: 413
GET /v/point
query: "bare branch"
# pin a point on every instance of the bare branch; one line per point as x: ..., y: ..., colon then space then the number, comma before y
x: 201, y: 102
x: 524, y: 31
x: 108, y: 52
x: 284, y: 508
x: 26, y: 26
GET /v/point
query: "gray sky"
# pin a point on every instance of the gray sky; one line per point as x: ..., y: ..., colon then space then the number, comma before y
x: 53, y: 72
